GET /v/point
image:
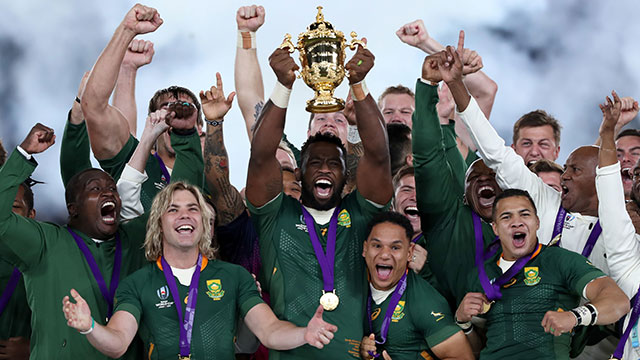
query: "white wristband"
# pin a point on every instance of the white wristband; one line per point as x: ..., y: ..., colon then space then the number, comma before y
x: 353, y: 136
x: 87, y: 332
x: 280, y: 95
x: 359, y: 91
x: 583, y: 315
x: 246, y: 39
x: 23, y: 152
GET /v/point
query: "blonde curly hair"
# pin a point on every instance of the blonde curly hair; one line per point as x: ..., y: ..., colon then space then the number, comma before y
x: 162, y: 201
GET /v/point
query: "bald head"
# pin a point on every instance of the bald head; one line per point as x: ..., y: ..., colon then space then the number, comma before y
x: 579, y: 181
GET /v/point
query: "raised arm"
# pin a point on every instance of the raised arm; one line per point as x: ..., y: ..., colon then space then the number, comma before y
x: 618, y: 232
x: 628, y: 111
x: 134, y: 175
x: 247, y: 73
x: 283, y: 335
x: 138, y: 54
x: 107, y: 126
x: 111, y: 340
x: 264, y: 177
x: 373, y: 177
x: 226, y: 198
x: 75, y: 150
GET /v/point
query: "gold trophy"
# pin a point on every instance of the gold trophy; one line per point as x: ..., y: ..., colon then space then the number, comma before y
x: 322, y: 58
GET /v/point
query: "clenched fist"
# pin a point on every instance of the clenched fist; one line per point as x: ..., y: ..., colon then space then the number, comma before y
x: 142, y: 19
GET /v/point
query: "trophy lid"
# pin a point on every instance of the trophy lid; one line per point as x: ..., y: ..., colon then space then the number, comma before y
x: 320, y: 23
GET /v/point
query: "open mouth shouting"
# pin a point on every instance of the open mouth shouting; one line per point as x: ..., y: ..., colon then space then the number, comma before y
x: 185, y: 229
x: 519, y: 239
x: 108, y: 212
x: 486, y: 196
x: 383, y: 272
x: 323, y: 188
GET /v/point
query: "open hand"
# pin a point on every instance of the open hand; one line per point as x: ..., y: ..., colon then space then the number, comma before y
x: 284, y: 67
x: 214, y: 105
x: 360, y: 64
x: 610, y: 113
x: 78, y: 315
x: 318, y: 332
x: 139, y: 53
x: 39, y: 139
x: 250, y: 18
x: 142, y: 19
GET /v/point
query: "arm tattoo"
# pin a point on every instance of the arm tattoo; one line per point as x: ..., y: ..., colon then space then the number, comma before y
x: 256, y: 114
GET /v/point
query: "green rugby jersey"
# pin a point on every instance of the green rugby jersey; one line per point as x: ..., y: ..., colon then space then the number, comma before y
x: 421, y: 320
x: 16, y: 317
x: 446, y: 220
x: 52, y: 264
x: 189, y: 165
x: 75, y: 150
x: 224, y: 291
x: 294, y: 279
x: 554, y: 279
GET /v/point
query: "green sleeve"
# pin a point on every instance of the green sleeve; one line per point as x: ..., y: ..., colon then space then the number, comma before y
x: 75, y: 150
x: 127, y: 297
x: 265, y: 218
x: 575, y: 269
x: 22, y: 240
x: 294, y: 149
x: 434, y: 320
x: 368, y: 209
x: 248, y: 295
x: 438, y: 192
x: 115, y: 165
x: 471, y: 157
x: 189, y: 165
x: 457, y: 164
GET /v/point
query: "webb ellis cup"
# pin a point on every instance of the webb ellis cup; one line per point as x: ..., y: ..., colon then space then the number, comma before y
x: 322, y: 58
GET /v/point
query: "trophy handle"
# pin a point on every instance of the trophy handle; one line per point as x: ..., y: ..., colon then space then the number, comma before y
x: 354, y: 42
x: 286, y: 43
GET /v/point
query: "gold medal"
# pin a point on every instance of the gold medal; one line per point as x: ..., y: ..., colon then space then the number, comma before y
x: 486, y: 307
x: 329, y: 300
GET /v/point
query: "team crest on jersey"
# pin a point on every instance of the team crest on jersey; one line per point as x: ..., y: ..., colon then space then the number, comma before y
x: 439, y: 316
x: 344, y: 219
x: 531, y: 276
x: 398, y: 312
x: 215, y: 289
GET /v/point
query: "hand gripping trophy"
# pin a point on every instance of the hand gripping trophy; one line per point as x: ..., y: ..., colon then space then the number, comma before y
x: 322, y: 58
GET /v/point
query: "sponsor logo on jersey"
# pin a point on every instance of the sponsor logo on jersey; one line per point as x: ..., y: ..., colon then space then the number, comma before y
x: 398, y: 312
x: 531, y: 276
x: 161, y: 185
x: 568, y: 221
x: 344, y: 219
x: 215, y: 289
x: 302, y: 226
x: 375, y: 313
x: 163, y: 293
x: 439, y: 316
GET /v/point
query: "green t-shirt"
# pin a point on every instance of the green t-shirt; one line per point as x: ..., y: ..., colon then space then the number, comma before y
x: 421, y: 320
x: 446, y: 220
x: 224, y: 291
x: 52, y: 264
x: 188, y: 166
x: 294, y: 279
x: 554, y: 279
x: 75, y: 150
x: 16, y: 317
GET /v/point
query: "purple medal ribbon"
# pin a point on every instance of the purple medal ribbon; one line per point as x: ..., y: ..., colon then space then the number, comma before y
x: 9, y: 289
x: 559, y: 224
x: 633, y: 320
x: 327, y: 260
x: 492, y: 288
x: 417, y: 238
x: 591, y: 241
x: 115, y: 275
x: 395, y: 298
x: 481, y: 256
x: 186, y: 325
x: 163, y: 167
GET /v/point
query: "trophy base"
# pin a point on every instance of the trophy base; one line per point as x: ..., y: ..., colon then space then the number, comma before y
x: 319, y: 106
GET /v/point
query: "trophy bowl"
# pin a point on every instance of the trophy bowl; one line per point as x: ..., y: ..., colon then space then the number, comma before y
x: 322, y: 52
